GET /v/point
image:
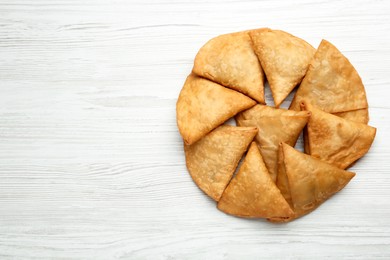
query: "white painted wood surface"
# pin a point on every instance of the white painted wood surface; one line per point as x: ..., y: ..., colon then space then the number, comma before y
x: 91, y: 162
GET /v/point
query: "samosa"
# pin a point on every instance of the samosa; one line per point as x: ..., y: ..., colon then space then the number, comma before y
x: 204, y: 105
x: 212, y: 160
x: 275, y: 126
x: 252, y: 193
x: 336, y: 140
x: 229, y: 60
x: 284, y: 59
x: 331, y: 83
x: 306, y: 182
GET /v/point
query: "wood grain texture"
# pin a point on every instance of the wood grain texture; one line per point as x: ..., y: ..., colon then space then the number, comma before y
x: 92, y: 164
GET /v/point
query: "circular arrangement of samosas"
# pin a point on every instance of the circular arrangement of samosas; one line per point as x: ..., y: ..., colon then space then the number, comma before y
x: 274, y: 181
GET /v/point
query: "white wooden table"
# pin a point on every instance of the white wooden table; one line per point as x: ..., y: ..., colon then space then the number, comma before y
x: 91, y: 162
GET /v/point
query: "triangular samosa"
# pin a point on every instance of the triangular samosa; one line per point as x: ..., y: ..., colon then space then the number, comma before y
x: 336, y: 140
x: 306, y: 182
x: 275, y: 126
x: 252, y: 193
x: 203, y: 105
x: 284, y: 59
x: 212, y: 160
x: 229, y: 60
x: 331, y: 83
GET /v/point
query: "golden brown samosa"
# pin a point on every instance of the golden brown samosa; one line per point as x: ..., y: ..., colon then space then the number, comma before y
x: 252, y: 193
x: 284, y: 59
x: 306, y: 182
x: 212, y: 160
x: 229, y: 60
x: 275, y: 126
x: 336, y: 140
x: 331, y: 83
x: 203, y: 105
